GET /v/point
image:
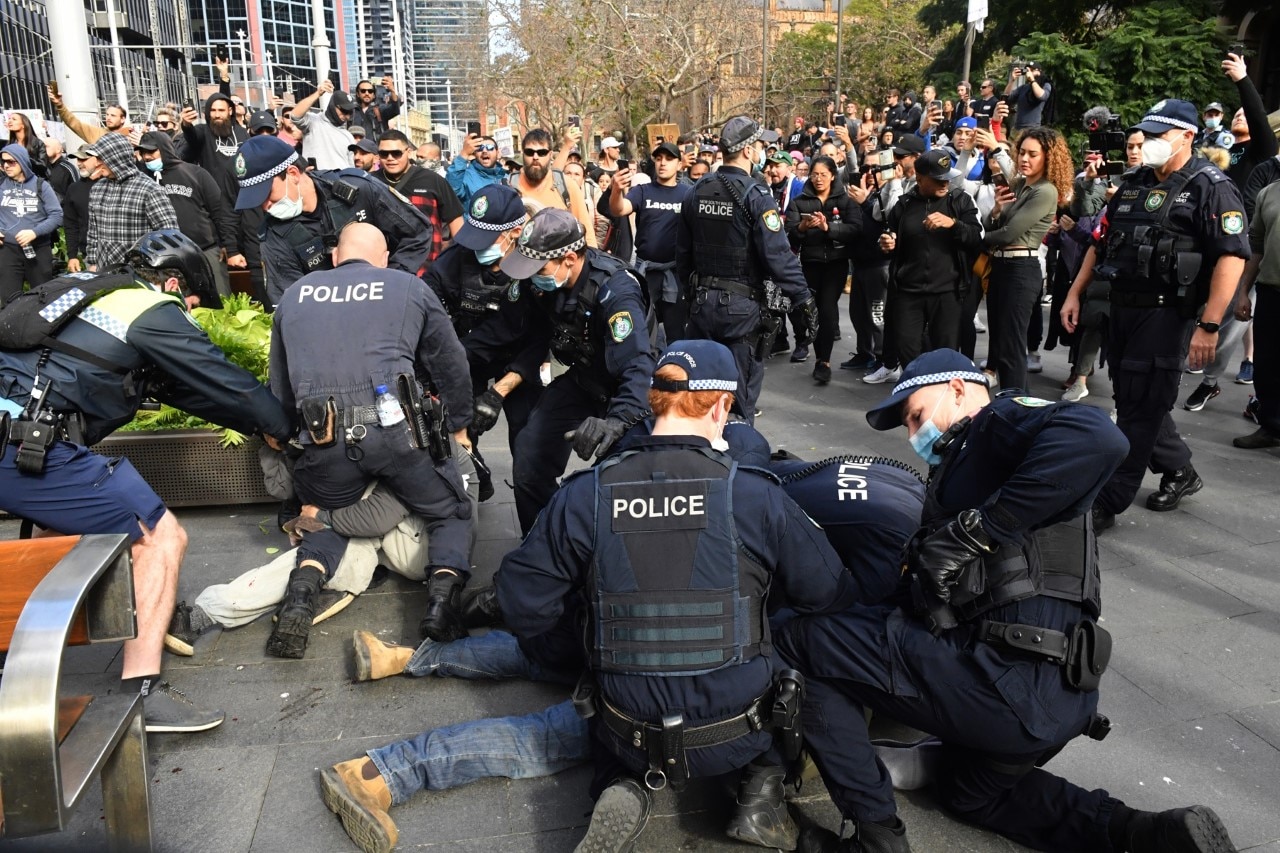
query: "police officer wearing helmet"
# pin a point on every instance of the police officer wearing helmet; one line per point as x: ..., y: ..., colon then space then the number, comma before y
x: 729, y: 243
x: 1173, y: 241
x: 306, y: 210
x: 596, y: 321
x: 997, y: 650
x: 338, y: 382
x: 493, y: 315
x: 674, y: 527
x: 69, y: 378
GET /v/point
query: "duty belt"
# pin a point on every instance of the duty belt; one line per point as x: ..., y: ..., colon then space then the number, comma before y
x: 352, y: 415
x: 1130, y: 299
x: 1026, y: 638
x: 729, y: 285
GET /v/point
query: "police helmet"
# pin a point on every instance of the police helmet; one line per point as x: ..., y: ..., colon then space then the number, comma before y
x: 171, y: 249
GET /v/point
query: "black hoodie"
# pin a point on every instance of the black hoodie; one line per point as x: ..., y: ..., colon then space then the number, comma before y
x: 203, y: 214
x: 216, y: 154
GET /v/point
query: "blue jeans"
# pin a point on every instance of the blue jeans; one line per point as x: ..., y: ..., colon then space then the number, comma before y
x: 495, y: 655
x: 537, y: 744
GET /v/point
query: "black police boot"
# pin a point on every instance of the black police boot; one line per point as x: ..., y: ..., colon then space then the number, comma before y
x: 484, y: 476
x: 1102, y: 520
x: 293, y: 622
x: 481, y: 609
x: 1196, y: 829
x: 868, y: 838
x: 617, y: 819
x: 443, y: 622
x: 761, y: 816
x: 1173, y: 488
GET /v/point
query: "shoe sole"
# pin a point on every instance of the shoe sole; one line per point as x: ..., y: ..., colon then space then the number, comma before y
x: 1244, y: 381
x: 160, y: 728
x: 1191, y: 490
x: 1206, y: 830
x: 612, y: 828
x: 364, y: 829
x: 1195, y: 407
x: 178, y: 646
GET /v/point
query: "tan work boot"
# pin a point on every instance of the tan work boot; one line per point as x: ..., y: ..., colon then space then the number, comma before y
x: 376, y: 659
x: 356, y: 792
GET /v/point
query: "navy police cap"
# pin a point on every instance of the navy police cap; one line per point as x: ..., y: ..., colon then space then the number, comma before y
x: 1168, y: 115
x: 494, y: 209
x: 709, y: 367
x: 933, y: 368
x: 257, y: 163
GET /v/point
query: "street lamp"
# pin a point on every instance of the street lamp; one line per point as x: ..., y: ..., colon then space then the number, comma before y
x: 244, y: 66
x: 448, y: 99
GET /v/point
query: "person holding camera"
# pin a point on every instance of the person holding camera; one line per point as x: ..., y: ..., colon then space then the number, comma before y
x: 1029, y: 92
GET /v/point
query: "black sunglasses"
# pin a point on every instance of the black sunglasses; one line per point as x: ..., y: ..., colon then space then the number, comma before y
x: 536, y: 152
x: 392, y: 154
x: 488, y: 146
x: 364, y: 91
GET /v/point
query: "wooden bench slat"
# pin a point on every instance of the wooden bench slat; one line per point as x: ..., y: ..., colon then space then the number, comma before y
x: 23, y: 564
x: 70, y: 710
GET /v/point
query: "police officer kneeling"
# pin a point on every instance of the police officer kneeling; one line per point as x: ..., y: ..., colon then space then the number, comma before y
x: 999, y: 654
x: 77, y: 356
x: 680, y: 554
x: 352, y: 350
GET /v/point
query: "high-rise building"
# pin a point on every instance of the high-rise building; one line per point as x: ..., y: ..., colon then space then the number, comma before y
x: 450, y: 40
x: 379, y: 40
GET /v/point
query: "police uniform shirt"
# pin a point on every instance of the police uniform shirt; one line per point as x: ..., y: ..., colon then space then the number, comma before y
x: 657, y: 211
x: 1208, y: 208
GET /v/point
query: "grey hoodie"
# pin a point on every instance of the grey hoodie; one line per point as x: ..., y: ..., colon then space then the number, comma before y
x: 29, y: 204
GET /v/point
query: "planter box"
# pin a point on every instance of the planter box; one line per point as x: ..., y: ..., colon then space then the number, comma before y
x: 190, y: 467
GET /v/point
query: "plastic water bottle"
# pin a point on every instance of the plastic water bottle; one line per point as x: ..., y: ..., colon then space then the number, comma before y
x: 389, y: 411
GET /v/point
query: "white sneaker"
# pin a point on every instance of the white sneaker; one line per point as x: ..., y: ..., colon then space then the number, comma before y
x: 978, y: 325
x: 1077, y: 391
x: 883, y: 375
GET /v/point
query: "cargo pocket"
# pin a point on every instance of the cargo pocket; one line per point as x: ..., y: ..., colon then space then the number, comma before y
x: 1133, y: 380
x: 1026, y: 705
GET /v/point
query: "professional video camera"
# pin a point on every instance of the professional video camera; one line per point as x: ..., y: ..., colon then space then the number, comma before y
x: 1106, y: 138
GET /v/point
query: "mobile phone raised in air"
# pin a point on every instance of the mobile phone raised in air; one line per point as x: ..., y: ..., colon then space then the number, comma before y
x: 984, y: 122
x: 624, y: 164
x: 575, y: 121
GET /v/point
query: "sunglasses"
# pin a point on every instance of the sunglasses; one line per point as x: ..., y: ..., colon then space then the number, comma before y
x: 488, y: 146
x: 392, y: 154
x: 164, y: 124
x: 7, y: 162
x: 365, y: 91
x: 536, y: 152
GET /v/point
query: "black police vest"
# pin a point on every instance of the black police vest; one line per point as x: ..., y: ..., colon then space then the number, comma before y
x: 668, y: 591
x: 1058, y: 561
x: 722, y: 230
x: 1142, y: 248
x: 481, y: 292
x: 572, y: 338
x: 340, y: 192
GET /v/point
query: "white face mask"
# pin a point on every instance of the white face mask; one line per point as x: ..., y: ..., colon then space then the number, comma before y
x: 1156, y: 151
x: 287, y: 208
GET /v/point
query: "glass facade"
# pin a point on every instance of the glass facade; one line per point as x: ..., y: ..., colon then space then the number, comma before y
x: 450, y: 38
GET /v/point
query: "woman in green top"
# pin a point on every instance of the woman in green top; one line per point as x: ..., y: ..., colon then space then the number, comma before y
x: 1023, y: 212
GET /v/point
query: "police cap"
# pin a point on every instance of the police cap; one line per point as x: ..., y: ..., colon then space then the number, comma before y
x: 708, y: 365
x: 257, y: 163
x: 738, y: 133
x: 1168, y: 115
x: 494, y: 209
x: 552, y: 233
x: 933, y: 368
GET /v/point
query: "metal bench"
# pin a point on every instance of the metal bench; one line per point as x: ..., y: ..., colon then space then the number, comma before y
x: 56, y: 592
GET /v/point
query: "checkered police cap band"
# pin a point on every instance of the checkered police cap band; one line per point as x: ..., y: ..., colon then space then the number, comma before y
x: 552, y: 254
x: 662, y: 384
x: 939, y: 378
x: 1172, y: 122
x: 245, y: 183
x: 495, y: 226
x: 744, y: 143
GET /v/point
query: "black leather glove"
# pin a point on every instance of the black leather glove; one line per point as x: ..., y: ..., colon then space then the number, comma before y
x: 487, y: 408
x: 942, y: 557
x: 807, y: 328
x: 595, y: 435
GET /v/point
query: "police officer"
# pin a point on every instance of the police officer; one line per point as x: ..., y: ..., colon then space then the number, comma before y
x: 365, y: 417
x: 1173, y: 243
x: 997, y: 651
x: 62, y: 393
x: 595, y: 318
x: 729, y: 241
x: 493, y: 315
x: 666, y: 528
x: 305, y: 210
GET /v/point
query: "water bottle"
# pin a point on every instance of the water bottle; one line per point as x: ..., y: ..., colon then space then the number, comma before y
x: 389, y: 411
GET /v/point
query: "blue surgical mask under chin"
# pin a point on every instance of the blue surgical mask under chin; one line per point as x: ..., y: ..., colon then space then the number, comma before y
x: 490, y: 256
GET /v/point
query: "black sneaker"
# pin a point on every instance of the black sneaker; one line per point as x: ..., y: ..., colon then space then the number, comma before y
x: 617, y: 820
x: 858, y: 362
x: 1203, y: 394
x: 1258, y: 440
x: 188, y: 623
x: 822, y: 373
x: 799, y: 354
x: 167, y: 709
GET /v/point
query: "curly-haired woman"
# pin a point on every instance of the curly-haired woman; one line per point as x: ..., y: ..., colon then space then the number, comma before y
x: 1023, y: 212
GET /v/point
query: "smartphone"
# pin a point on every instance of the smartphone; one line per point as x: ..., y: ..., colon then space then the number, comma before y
x: 53, y: 87
x: 998, y: 179
x: 188, y: 104
x: 575, y: 121
x: 838, y: 121
x: 984, y: 122
x: 624, y: 164
x: 473, y: 128
x: 1111, y: 169
x: 1237, y: 48
x: 936, y: 105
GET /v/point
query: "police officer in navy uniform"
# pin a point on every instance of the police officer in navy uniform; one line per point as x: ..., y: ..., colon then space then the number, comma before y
x: 493, y: 315
x: 134, y: 342
x: 595, y: 320
x: 1173, y: 242
x: 331, y: 376
x: 997, y: 651
x: 305, y: 210
x: 729, y: 241
x: 674, y: 527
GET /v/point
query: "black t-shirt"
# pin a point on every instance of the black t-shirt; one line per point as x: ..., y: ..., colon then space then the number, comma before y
x: 657, y: 210
x: 984, y: 106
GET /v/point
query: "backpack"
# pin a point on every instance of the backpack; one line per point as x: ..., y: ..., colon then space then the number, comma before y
x: 33, y: 319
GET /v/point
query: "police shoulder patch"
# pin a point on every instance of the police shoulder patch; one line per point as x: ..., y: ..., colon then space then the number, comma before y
x: 1032, y: 402
x: 1232, y: 222
x: 621, y: 326
x: 1154, y: 199
x: 513, y: 292
x: 772, y: 221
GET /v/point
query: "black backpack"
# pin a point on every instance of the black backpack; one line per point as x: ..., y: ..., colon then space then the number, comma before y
x: 33, y: 319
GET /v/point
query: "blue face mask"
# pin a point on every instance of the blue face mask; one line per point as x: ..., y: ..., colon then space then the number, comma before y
x: 927, y: 436
x: 155, y: 165
x: 547, y: 283
x: 490, y: 256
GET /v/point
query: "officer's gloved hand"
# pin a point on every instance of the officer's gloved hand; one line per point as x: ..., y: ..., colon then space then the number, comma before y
x: 807, y: 328
x: 595, y: 435
x: 487, y: 408
x: 942, y: 557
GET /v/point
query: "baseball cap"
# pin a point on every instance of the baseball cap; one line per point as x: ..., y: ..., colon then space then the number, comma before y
x: 262, y: 119
x: 933, y: 368
x: 937, y: 164
x: 665, y: 148
x: 609, y: 142
x: 967, y: 122
x: 550, y: 234
x: 908, y: 145
x: 368, y: 146
x: 1168, y: 115
x: 147, y: 142
x: 84, y: 152
x: 494, y: 209
x: 257, y: 163
x: 781, y: 157
x: 709, y: 365
x: 343, y: 101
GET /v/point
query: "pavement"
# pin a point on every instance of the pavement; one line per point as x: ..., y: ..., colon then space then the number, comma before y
x: 1192, y: 598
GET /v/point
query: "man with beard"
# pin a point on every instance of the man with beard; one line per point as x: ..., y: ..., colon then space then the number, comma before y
x: 424, y: 189
x: 537, y: 181
x: 114, y: 120
x: 475, y: 167
x: 372, y: 116
x: 326, y: 137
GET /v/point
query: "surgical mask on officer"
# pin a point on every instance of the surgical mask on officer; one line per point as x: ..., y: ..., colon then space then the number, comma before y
x: 927, y: 435
x: 490, y: 256
x: 286, y: 208
x: 1213, y: 123
x: 549, y: 283
x: 1156, y: 151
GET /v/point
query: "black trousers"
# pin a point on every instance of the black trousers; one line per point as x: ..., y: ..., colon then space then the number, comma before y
x: 917, y: 316
x: 1266, y: 355
x: 866, y: 308
x: 1013, y: 293
x: 826, y: 280
x: 1148, y: 347
x: 16, y: 268
x: 972, y: 299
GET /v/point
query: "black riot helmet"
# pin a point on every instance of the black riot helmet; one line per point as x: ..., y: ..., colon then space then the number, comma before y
x: 172, y: 250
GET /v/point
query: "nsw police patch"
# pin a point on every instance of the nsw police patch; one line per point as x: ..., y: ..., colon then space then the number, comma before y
x: 1155, y: 199
x: 513, y: 292
x: 1232, y: 222
x: 772, y: 221
x: 621, y: 325
x: 240, y: 167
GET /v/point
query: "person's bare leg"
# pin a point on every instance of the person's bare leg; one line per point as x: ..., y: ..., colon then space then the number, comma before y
x: 157, y: 557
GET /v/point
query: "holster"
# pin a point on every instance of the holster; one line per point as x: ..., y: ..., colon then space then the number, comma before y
x: 770, y: 325
x: 411, y: 401
x: 584, y: 695
x: 788, y: 726
x: 34, y: 438
x: 1186, y: 270
x: 437, y: 431
x: 320, y: 417
x: 935, y: 613
x: 1088, y: 653
x: 668, y: 760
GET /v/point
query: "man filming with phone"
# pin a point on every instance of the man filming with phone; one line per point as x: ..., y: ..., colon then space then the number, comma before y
x: 1030, y: 92
x: 373, y: 116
